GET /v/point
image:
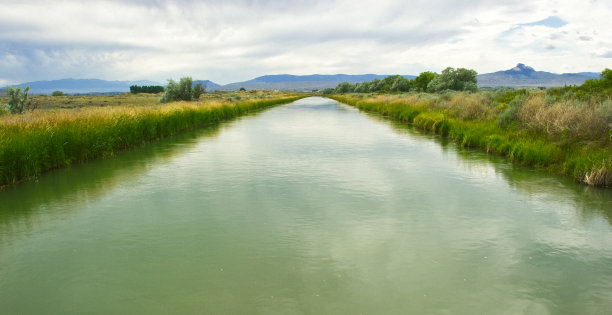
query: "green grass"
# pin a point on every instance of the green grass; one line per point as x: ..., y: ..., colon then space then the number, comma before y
x: 40, y: 141
x: 588, y: 160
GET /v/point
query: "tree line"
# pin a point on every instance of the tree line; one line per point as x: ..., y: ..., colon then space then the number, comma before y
x: 154, y: 89
x: 459, y: 79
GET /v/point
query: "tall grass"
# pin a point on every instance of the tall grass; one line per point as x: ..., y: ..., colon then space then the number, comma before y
x: 37, y: 142
x: 565, y: 136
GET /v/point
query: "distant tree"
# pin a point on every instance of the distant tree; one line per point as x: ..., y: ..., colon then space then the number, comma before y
x: 376, y: 85
x: 421, y: 82
x: 344, y: 87
x: 328, y: 91
x: 18, y: 100
x: 154, y: 89
x: 198, y: 90
x: 242, y: 89
x: 58, y: 93
x: 182, y: 91
x: 400, y: 84
x: 450, y: 79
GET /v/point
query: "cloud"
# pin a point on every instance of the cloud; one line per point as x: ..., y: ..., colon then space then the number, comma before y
x: 235, y: 40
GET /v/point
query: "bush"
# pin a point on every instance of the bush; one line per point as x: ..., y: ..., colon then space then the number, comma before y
x: 58, y: 93
x: 18, y: 99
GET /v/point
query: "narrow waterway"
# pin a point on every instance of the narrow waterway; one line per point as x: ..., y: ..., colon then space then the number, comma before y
x: 307, y: 208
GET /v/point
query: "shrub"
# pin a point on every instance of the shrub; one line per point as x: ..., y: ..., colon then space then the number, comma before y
x: 469, y: 106
x: 18, y: 99
x: 510, y: 113
x: 57, y: 93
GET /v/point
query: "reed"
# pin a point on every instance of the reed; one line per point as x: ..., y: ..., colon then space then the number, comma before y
x: 41, y: 141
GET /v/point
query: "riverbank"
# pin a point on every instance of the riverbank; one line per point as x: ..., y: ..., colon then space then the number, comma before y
x: 36, y: 142
x: 562, y: 137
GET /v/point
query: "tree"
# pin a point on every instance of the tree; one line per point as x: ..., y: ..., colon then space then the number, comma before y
x: 18, y: 99
x: 58, y: 93
x: 400, y: 84
x: 344, y: 87
x: 450, y: 79
x: 606, y: 78
x: 182, y: 91
x: 154, y: 89
x: 421, y: 82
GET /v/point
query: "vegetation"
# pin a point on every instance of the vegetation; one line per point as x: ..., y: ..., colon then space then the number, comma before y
x: 154, y: 89
x: 39, y: 141
x: 566, y: 130
x: 58, y: 93
x: 184, y: 90
x: 18, y: 100
x: 460, y: 79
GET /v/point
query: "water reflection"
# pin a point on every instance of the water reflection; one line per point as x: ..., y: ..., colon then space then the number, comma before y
x: 54, y: 195
x: 309, y: 208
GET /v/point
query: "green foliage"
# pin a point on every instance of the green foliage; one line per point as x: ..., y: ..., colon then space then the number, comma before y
x: 18, y: 99
x: 422, y: 81
x: 460, y: 79
x: 242, y: 89
x: 344, y: 87
x: 182, y: 91
x: 328, y: 91
x: 198, y: 90
x: 509, y: 115
x: 58, y: 93
x: 400, y: 84
x: 153, y: 89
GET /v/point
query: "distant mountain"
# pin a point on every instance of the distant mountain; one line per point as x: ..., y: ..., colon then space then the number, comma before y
x: 525, y: 76
x: 301, y: 82
x: 82, y: 86
x: 210, y: 85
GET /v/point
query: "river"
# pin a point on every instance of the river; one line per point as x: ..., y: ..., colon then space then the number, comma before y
x: 307, y: 208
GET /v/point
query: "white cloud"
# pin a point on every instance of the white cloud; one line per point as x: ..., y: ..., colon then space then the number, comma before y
x: 229, y: 41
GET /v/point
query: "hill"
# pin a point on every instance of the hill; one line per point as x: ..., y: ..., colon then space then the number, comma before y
x: 82, y: 86
x: 301, y: 82
x: 525, y: 76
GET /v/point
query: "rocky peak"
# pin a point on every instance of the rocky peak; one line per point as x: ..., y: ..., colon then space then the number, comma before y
x: 522, y: 68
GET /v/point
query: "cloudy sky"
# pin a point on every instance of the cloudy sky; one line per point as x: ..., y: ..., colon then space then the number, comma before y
x: 236, y: 40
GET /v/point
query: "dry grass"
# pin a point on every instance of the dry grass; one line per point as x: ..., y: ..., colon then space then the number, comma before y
x: 470, y: 106
x: 569, y: 118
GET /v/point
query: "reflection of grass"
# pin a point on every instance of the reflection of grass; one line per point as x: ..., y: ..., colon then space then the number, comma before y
x: 578, y: 151
x: 79, y: 185
x: 44, y: 140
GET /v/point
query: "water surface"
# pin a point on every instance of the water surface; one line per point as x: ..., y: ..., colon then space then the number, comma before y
x: 306, y: 208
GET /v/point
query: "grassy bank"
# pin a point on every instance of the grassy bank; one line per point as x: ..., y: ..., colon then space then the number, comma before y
x: 36, y: 142
x: 559, y: 135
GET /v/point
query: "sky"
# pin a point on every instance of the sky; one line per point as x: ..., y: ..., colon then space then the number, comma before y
x: 237, y: 40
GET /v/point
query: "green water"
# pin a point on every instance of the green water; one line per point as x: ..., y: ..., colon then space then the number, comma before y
x: 306, y: 208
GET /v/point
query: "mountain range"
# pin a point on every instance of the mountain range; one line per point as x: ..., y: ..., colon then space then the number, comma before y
x: 519, y: 76
x: 525, y: 76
